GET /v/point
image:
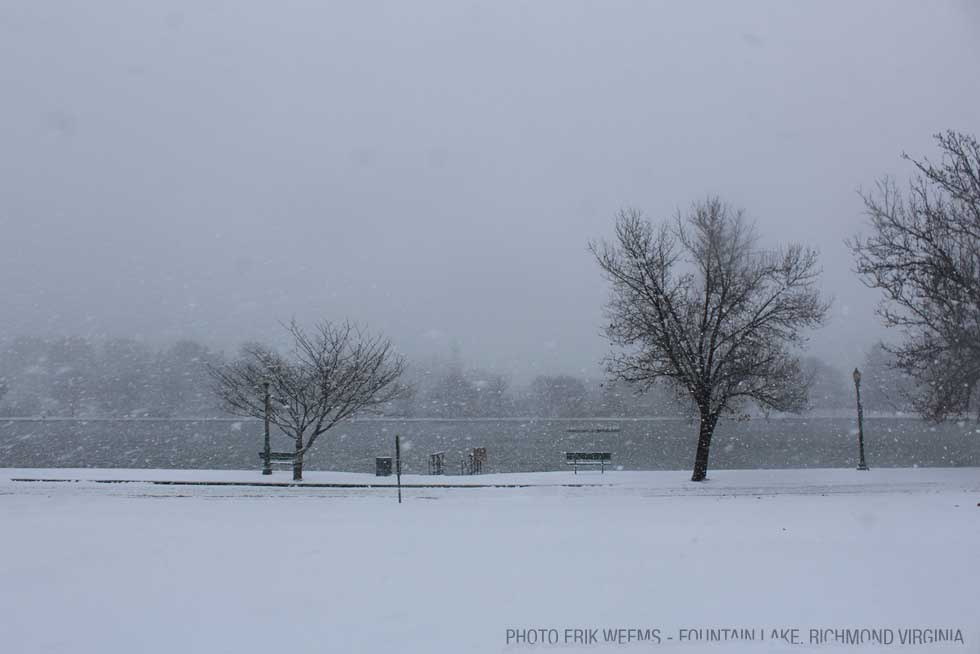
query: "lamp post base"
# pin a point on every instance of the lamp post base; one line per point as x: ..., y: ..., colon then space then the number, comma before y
x: 863, y: 466
x: 267, y: 472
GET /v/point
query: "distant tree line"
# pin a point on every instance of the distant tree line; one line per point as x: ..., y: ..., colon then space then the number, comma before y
x: 447, y: 390
x: 75, y: 377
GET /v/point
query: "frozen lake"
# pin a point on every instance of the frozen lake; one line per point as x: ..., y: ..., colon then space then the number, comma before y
x: 514, y: 445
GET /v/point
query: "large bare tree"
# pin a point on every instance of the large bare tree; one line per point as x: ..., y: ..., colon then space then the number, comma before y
x: 696, y: 302
x: 330, y: 374
x: 923, y: 253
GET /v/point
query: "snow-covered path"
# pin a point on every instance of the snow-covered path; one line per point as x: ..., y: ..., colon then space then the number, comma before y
x: 817, y: 481
x: 136, y: 567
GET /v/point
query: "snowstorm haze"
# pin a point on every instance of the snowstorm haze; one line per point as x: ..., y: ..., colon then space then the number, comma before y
x: 436, y: 169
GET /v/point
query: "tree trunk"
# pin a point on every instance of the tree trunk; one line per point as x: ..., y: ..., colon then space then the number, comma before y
x: 298, y: 461
x: 706, y: 430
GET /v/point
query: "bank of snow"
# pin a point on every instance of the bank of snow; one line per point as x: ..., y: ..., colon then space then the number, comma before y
x: 91, y: 567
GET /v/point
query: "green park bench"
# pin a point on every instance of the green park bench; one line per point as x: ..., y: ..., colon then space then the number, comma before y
x: 278, y: 457
x: 588, y: 459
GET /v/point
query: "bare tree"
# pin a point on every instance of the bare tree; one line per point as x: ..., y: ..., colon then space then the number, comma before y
x: 697, y: 303
x: 329, y: 376
x: 924, y: 255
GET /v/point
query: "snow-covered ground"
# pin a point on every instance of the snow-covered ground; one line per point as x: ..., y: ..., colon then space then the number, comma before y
x: 140, y: 567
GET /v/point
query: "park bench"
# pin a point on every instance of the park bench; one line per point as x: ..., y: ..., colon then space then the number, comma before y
x: 588, y: 459
x: 278, y: 457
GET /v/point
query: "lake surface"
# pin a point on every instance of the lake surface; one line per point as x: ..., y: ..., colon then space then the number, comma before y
x: 513, y: 445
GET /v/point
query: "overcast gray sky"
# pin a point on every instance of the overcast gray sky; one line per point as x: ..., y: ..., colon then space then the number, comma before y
x: 436, y: 169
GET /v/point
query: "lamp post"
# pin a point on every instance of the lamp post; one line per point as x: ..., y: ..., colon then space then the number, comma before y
x: 267, y: 468
x: 862, y: 465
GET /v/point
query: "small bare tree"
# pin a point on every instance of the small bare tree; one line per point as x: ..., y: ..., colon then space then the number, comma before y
x: 695, y: 302
x: 330, y: 375
x: 924, y: 255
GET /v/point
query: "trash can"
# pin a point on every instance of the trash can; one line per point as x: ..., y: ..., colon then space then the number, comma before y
x: 382, y: 466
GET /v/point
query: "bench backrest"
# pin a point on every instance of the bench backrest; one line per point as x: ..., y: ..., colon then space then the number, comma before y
x: 588, y: 456
x: 279, y: 456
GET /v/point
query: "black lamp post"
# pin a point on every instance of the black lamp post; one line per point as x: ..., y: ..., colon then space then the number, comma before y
x: 862, y: 465
x: 267, y: 467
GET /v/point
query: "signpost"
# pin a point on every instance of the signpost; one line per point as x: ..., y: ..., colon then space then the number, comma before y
x: 398, y: 465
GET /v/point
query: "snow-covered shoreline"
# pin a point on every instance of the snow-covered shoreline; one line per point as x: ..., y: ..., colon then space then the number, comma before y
x: 677, y: 482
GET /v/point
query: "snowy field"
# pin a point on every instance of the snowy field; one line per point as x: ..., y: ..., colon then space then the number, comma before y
x: 140, y: 567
